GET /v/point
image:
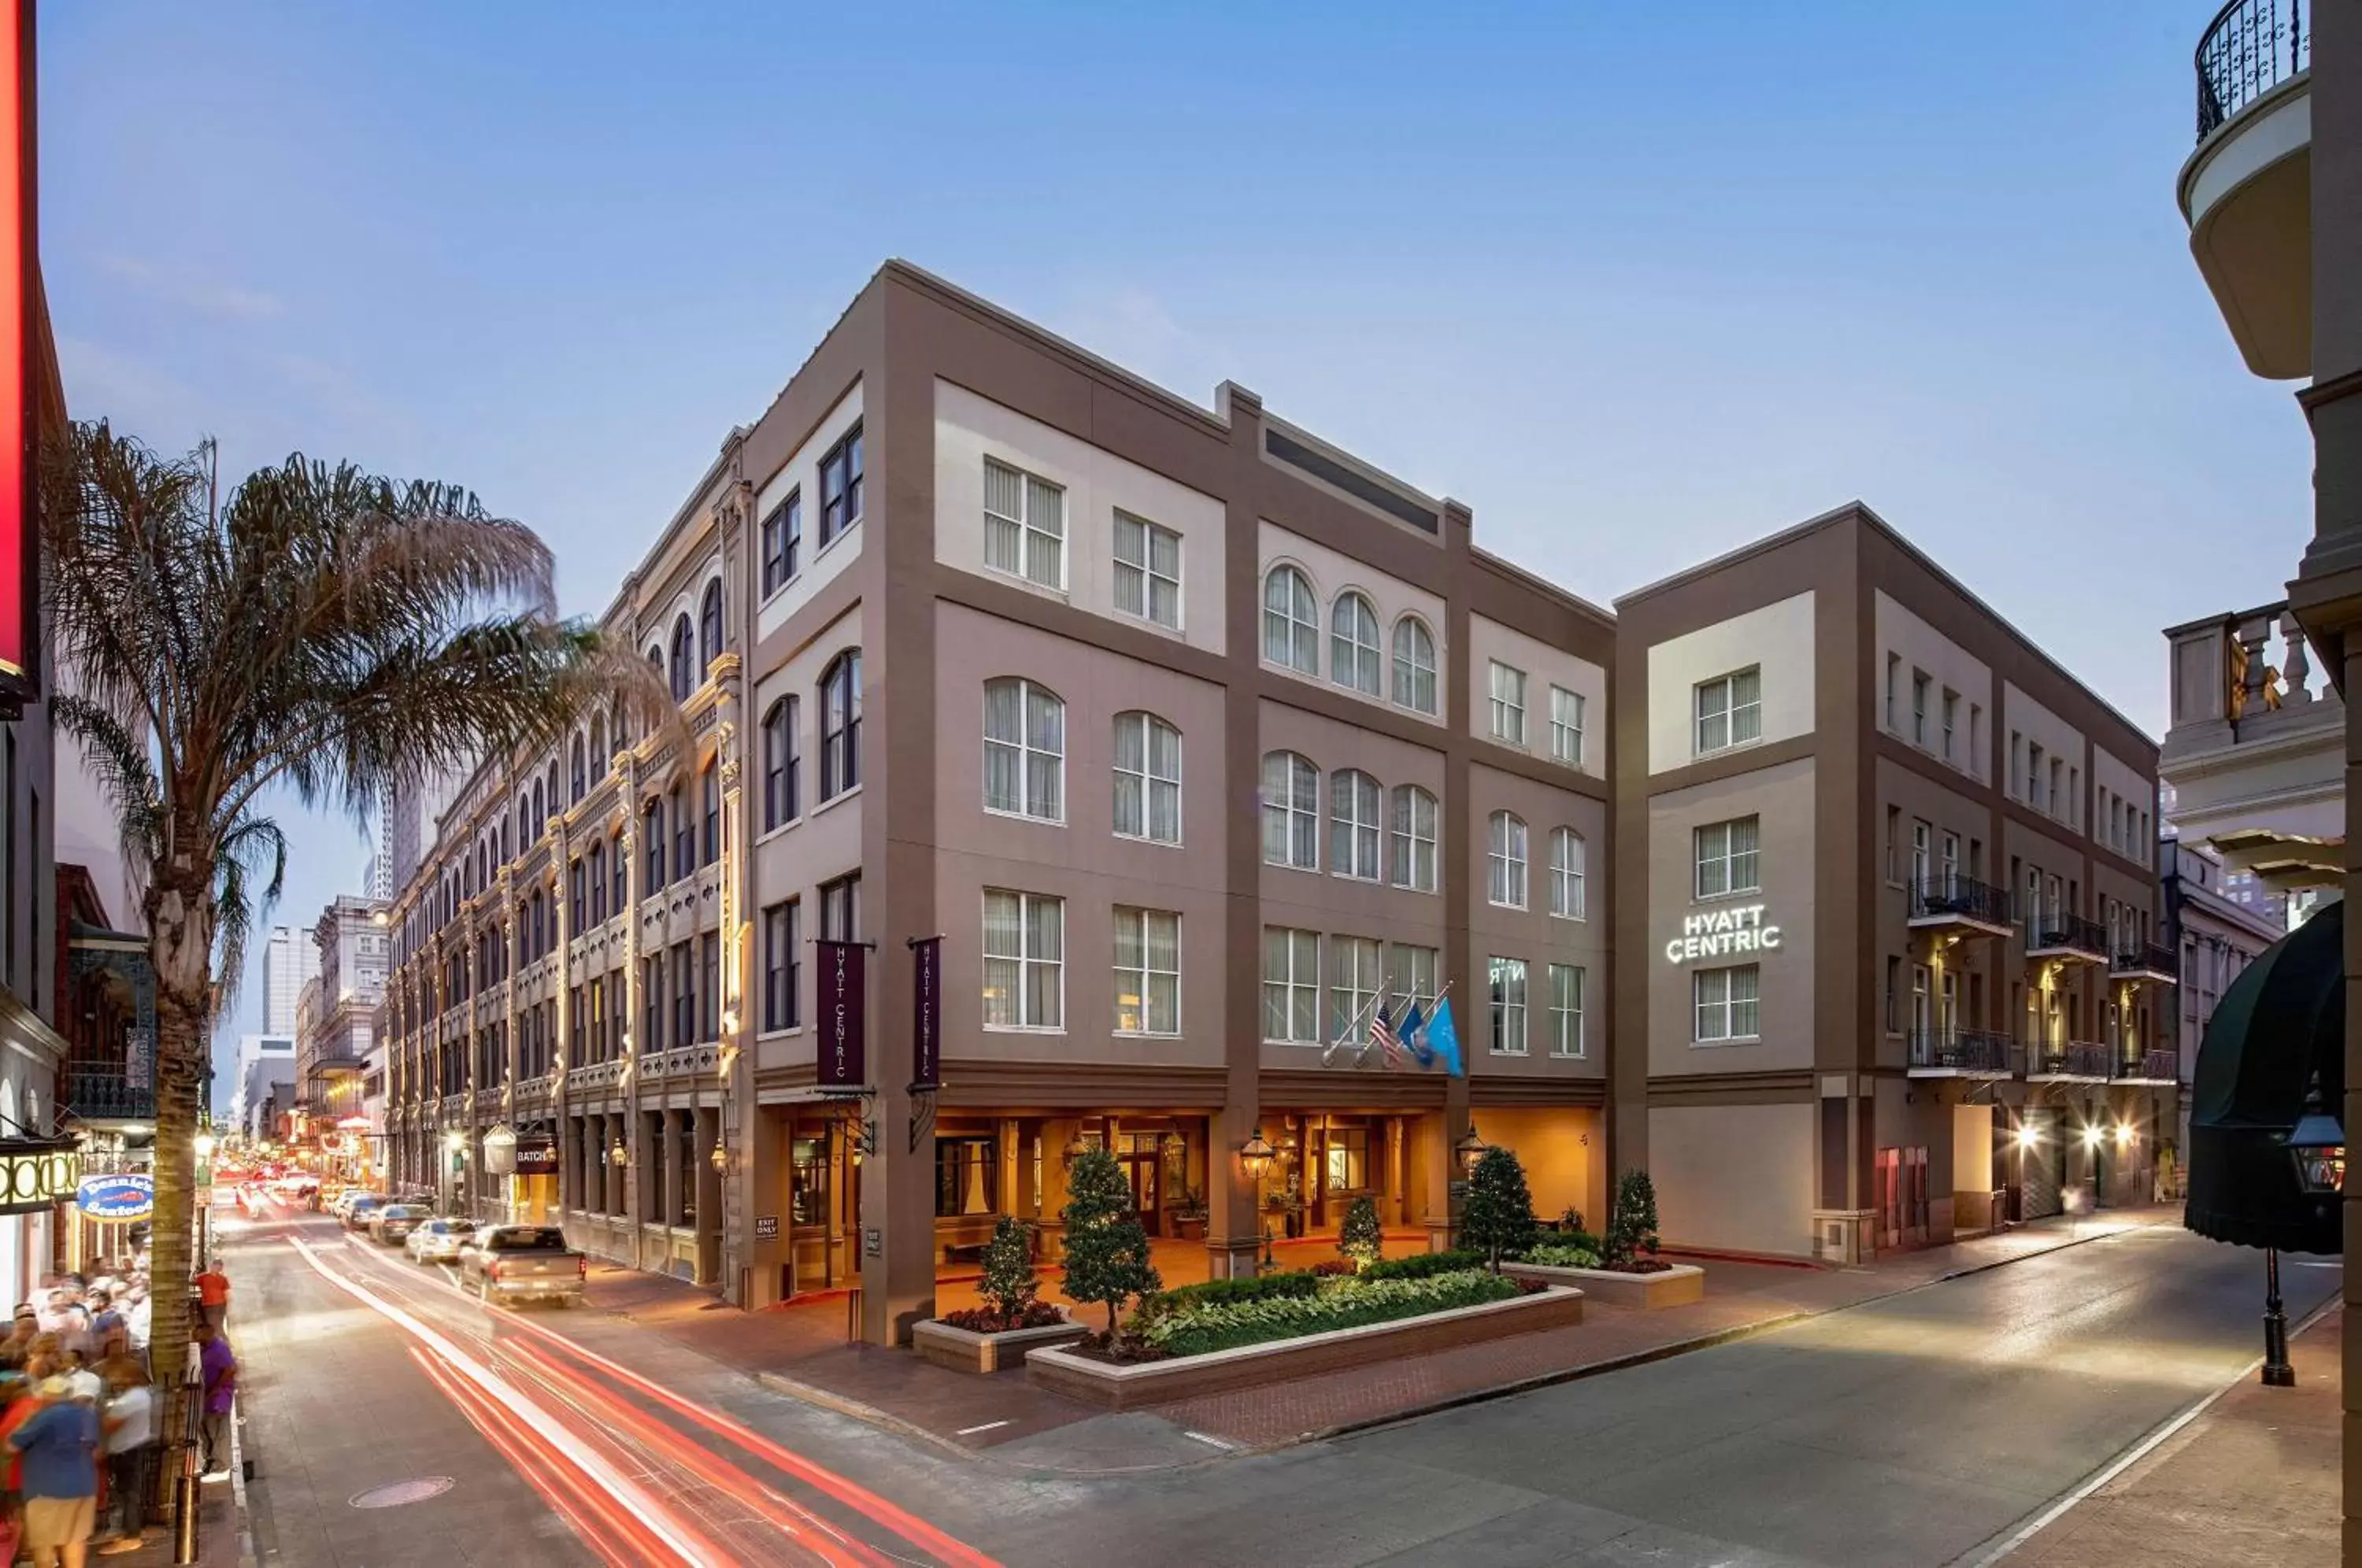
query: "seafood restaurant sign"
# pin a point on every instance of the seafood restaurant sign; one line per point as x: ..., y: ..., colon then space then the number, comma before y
x: 1722, y: 933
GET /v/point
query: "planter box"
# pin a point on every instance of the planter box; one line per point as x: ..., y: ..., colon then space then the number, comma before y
x: 1275, y: 1360
x: 1675, y: 1287
x: 963, y: 1350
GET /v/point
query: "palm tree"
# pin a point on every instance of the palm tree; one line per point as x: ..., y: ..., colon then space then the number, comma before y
x: 322, y: 630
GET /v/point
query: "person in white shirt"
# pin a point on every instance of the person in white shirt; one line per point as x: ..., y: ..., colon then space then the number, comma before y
x: 128, y: 1420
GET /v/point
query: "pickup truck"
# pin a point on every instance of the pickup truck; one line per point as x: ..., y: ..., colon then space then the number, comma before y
x: 523, y: 1263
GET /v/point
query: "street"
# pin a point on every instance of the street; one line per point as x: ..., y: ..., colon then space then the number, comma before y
x: 1920, y: 1428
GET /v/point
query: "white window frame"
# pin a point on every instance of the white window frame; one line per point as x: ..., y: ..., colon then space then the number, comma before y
x: 1285, y: 805
x: 1506, y: 998
x: 1707, y: 849
x: 1027, y: 752
x: 1297, y: 623
x: 1146, y: 782
x: 1714, y: 1018
x: 1716, y: 711
x: 1026, y: 963
x: 1357, y: 972
x: 1920, y: 684
x: 1140, y: 577
x: 1569, y: 854
x: 1507, y: 860
x: 1143, y: 976
x: 1415, y: 666
x: 1412, y: 817
x: 1295, y: 984
x: 1505, y: 686
x: 1357, y: 828
x: 1414, y: 971
x: 1567, y: 984
x: 1566, y: 726
x: 1351, y: 659
x: 1032, y: 533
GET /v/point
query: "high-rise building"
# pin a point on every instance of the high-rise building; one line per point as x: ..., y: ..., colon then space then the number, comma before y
x: 335, y: 1044
x: 288, y: 960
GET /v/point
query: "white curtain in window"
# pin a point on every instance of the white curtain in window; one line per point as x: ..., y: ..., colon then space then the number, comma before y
x: 1147, y: 778
x: 1414, y: 838
x: 1414, y: 665
x: 1004, y: 517
x: 1353, y: 643
x: 1291, y: 629
x: 1506, y: 861
x: 1353, y: 798
x: 1566, y: 874
x: 1004, y: 955
x: 1046, y: 533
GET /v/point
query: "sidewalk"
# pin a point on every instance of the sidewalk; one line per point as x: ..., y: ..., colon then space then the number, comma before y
x: 2253, y: 1480
x: 801, y: 1349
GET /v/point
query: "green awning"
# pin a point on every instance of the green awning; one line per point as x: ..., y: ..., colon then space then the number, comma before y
x: 2281, y: 1022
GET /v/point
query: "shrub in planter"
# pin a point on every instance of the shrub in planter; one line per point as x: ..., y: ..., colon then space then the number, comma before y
x: 1632, y: 1225
x: 1570, y: 1219
x: 993, y: 1321
x: 1498, y: 1219
x: 1360, y: 1238
x: 1107, y: 1251
x: 1424, y: 1265
x: 1340, y: 1304
x: 1560, y: 1254
x: 1010, y: 1281
x: 1226, y: 1292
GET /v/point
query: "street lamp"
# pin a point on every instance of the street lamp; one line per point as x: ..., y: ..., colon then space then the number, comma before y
x: 720, y: 1157
x: 2317, y: 1145
x: 204, y: 1146
x: 1471, y: 1147
x: 1255, y: 1154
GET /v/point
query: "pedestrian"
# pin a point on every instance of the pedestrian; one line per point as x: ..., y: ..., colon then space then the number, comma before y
x: 221, y: 1392
x: 19, y: 1342
x: 86, y: 1384
x: 129, y: 1422
x: 213, y: 1294
x: 60, y: 1449
x: 136, y: 1316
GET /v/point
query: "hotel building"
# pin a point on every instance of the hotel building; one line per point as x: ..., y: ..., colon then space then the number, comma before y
x: 1885, y: 967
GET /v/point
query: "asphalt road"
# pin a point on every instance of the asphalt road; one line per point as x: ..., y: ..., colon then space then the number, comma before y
x: 1922, y: 1429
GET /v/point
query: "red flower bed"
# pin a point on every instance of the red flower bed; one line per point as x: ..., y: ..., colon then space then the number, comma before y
x: 985, y: 1321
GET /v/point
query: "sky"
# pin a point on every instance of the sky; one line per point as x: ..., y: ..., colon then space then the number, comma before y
x: 1638, y: 285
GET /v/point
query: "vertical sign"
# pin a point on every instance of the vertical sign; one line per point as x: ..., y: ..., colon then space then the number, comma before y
x: 927, y: 1013
x: 17, y: 678
x: 843, y: 1060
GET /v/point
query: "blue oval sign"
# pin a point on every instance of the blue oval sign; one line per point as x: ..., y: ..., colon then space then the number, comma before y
x: 117, y: 1199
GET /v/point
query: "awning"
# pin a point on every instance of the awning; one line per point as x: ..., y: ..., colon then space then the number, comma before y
x: 2282, y: 1021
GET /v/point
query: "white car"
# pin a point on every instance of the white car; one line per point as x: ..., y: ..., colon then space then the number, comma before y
x: 438, y: 1240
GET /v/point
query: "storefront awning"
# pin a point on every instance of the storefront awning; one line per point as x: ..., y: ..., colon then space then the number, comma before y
x: 2281, y: 1022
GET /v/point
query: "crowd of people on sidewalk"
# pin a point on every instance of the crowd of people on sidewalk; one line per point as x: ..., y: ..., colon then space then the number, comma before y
x: 82, y: 1420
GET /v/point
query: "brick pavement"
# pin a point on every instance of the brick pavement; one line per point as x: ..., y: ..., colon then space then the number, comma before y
x: 2253, y: 1480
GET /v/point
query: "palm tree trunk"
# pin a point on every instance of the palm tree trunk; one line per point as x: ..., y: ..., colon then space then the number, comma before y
x: 180, y: 945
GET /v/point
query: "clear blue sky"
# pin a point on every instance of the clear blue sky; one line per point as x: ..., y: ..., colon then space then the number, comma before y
x: 1638, y: 285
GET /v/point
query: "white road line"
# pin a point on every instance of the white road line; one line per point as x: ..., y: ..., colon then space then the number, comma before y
x: 2129, y: 1458
x: 971, y: 1432
x: 1213, y: 1442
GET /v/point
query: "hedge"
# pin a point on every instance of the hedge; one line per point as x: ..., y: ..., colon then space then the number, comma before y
x: 1199, y: 1328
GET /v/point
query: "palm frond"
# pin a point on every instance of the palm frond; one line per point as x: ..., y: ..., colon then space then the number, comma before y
x: 253, y: 851
x: 126, y: 771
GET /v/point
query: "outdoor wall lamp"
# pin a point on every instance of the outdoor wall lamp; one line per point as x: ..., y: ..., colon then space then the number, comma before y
x: 2317, y: 1143
x: 1076, y: 1148
x: 2092, y: 1135
x: 619, y: 1155
x: 1255, y: 1154
x: 2124, y: 1135
x: 1471, y: 1147
x: 2027, y: 1136
x: 720, y: 1158
x: 455, y: 1142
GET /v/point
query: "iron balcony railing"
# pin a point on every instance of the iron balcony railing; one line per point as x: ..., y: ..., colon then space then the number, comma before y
x: 2157, y: 1067
x: 1963, y: 1051
x: 2073, y: 1059
x: 2145, y: 957
x: 1964, y: 897
x: 2251, y: 47
x: 2051, y: 933
x: 108, y: 1097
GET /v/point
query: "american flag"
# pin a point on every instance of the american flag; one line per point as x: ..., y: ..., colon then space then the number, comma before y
x: 1382, y: 1035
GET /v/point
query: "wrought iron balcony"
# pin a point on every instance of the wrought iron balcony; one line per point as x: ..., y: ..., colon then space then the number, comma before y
x: 2073, y: 1059
x: 108, y: 1097
x: 1960, y: 901
x: 2250, y: 47
x: 2065, y: 936
x: 2137, y: 960
x: 2150, y: 1067
x: 1962, y: 1053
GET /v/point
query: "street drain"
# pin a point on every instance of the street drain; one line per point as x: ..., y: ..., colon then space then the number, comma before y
x: 395, y: 1494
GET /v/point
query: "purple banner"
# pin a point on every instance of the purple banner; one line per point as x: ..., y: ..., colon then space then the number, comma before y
x: 844, y: 1058
x: 927, y: 1013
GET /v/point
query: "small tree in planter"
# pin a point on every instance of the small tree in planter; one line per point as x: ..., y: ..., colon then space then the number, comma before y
x: 1499, y: 1219
x: 1361, y: 1238
x: 1107, y: 1251
x: 1009, y: 1280
x: 1632, y: 1221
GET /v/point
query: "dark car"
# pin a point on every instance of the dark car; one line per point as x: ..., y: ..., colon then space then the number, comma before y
x: 392, y: 1223
x: 359, y: 1208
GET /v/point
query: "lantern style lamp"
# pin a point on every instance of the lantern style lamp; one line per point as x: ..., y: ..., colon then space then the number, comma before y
x: 2318, y: 1146
x: 1471, y: 1147
x: 1255, y: 1154
x: 720, y: 1156
x: 619, y: 1155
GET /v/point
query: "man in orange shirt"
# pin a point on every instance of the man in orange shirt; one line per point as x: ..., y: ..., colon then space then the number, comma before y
x: 212, y: 1294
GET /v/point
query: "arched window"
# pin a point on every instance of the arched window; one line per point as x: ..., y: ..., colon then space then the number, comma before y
x: 1354, y: 806
x: 1566, y: 874
x: 596, y: 879
x: 1147, y: 778
x: 682, y: 647
x: 1414, y: 665
x: 710, y: 837
x: 1505, y: 856
x: 599, y: 755
x: 525, y: 821
x: 619, y: 867
x: 652, y: 829
x: 1024, y: 750
x: 552, y: 797
x: 780, y: 764
x: 579, y: 760
x: 684, y: 835
x: 1291, y: 812
x: 1414, y: 836
x: 540, y: 810
x: 840, y: 724
x: 1353, y: 643
x: 1291, y: 621
x: 708, y: 628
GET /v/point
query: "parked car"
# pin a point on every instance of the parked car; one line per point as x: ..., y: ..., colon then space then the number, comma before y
x: 359, y: 1208
x: 513, y: 1264
x: 390, y: 1224
x: 440, y: 1240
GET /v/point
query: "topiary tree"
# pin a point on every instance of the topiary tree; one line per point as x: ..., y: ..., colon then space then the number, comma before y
x: 1632, y: 1220
x: 1499, y: 1219
x: 1106, y: 1250
x: 1010, y: 1281
x: 1361, y: 1238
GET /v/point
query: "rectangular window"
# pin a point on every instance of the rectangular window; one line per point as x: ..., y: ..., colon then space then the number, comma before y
x: 1411, y: 973
x: 2034, y: 774
x: 684, y: 996
x: 1352, y: 986
x: 1730, y: 710
x: 1507, y: 704
x: 1893, y: 970
x: 1977, y: 739
x: 1024, y: 960
x: 781, y: 941
x: 2072, y: 808
x: 709, y: 988
x: 1951, y: 715
x: 1507, y: 1004
x: 652, y: 1000
x: 783, y: 537
x: 1919, y: 999
x: 1726, y: 1004
x: 840, y: 486
x: 1919, y: 867
x: 840, y: 909
x: 1894, y: 844
x: 1919, y: 709
x: 1728, y: 859
x: 1024, y: 525
x: 2016, y: 761
x: 1147, y: 972
x: 967, y: 1177
x: 1893, y: 685
x: 1291, y: 986
x: 1147, y: 571
x: 1566, y: 726
x: 1345, y: 1154
x: 1566, y: 1010
x: 576, y: 895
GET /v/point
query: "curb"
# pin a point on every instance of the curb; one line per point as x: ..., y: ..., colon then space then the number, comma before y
x: 853, y: 1409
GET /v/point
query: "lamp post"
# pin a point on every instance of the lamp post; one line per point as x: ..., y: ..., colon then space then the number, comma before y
x: 2317, y: 1145
x: 1255, y: 1156
x: 1470, y: 1148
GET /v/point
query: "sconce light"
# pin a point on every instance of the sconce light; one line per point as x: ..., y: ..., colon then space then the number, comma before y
x: 1255, y: 1156
x: 2318, y: 1145
x: 1076, y: 1148
x: 1471, y: 1147
x: 619, y: 1155
x: 720, y: 1157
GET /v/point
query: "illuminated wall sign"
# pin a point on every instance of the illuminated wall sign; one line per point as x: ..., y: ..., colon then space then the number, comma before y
x: 36, y: 1174
x: 18, y: 676
x: 115, y: 1199
x: 1732, y: 931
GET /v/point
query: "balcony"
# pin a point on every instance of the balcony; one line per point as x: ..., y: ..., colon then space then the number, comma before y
x: 108, y: 1097
x: 2254, y: 751
x: 2131, y: 959
x: 2070, y: 938
x: 2247, y: 190
x: 2149, y: 1067
x: 2078, y: 1061
x: 1962, y: 1053
x: 1960, y: 903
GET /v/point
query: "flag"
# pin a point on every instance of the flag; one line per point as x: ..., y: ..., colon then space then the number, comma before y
x: 1382, y: 1035
x: 1444, y: 1040
x: 1412, y: 1032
